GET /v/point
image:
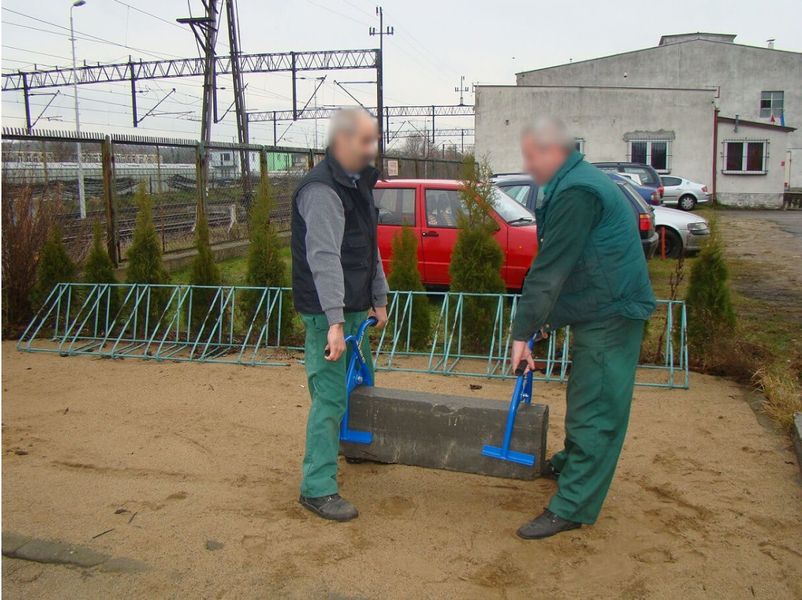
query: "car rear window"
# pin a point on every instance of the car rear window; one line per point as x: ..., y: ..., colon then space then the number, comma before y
x: 635, y: 197
x: 396, y: 205
x: 647, y: 176
x: 443, y: 208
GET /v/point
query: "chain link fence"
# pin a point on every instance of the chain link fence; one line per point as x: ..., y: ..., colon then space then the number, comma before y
x: 115, y: 167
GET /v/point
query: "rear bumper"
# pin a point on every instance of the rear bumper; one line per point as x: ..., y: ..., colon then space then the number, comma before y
x: 650, y: 245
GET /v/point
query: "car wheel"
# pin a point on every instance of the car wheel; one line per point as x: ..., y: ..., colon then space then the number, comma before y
x: 687, y: 202
x: 673, y: 243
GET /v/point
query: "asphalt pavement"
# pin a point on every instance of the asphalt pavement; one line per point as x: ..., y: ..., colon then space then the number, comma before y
x: 789, y: 221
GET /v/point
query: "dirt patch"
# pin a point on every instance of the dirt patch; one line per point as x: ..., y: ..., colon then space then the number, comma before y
x: 706, y: 502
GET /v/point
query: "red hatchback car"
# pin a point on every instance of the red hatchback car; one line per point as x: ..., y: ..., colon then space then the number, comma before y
x: 430, y: 207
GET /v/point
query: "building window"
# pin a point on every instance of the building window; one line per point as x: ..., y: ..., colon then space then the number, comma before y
x: 226, y: 157
x: 656, y: 153
x: 771, y: 103
x: 580, y: 145
x: 746, y: 157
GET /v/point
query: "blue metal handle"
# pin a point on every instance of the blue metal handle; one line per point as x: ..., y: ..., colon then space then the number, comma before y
x: 360, y: 332
x: 357, y: 374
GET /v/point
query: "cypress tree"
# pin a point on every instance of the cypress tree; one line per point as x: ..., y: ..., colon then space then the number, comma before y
x: 145, y: 254
x: 100, y: 269
x: 55, y: 266
x: 711, y: 317
x: 405, y: 276
x: 477, y: 257
x: 204, y: 272
x: 145, y: 258
x: 266, y: 266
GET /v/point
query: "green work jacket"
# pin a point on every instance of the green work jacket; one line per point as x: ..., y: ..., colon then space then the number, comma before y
x: 590, y: 263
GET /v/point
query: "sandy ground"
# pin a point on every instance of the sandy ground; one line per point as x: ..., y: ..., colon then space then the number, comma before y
x: 707, y: 503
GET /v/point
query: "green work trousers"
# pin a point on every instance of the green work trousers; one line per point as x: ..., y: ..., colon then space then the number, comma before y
x: 599, y: 397
x: 326, y: 381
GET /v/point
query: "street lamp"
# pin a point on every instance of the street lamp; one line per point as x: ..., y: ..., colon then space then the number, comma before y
x: 81, y: 195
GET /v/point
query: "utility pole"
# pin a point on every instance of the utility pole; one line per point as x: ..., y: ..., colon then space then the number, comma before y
x: 462, y: 88
x: 232, y: 15
x: 381, y: 32
x: 81, y: 193
x: 205, y: 30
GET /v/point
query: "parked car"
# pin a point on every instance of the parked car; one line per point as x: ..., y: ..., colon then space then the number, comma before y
x: 686, y: 194
x: 523, y: 189
x: 643, y: 212
x: 650, y: 194
x: 431, y: 208
x: 683, y: 233
x: 520, y: 187
x: 647, y: 175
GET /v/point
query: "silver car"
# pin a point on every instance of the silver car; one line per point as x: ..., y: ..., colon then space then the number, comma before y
x: 686, y: 194
x: 683, y: 233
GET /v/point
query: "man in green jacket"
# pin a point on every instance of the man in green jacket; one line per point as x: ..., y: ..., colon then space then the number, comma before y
x: 590, y: 273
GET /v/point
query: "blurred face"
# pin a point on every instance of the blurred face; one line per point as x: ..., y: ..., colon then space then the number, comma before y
x: 356, y: 149
x: 541, y: 159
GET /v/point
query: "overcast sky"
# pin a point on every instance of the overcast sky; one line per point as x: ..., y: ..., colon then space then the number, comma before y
x: 435, y: 42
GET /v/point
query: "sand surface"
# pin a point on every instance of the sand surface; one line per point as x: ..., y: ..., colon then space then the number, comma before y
x: 707, y: 503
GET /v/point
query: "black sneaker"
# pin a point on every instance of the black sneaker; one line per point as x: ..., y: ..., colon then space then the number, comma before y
x: 333, y: 507
x: 546, y: 525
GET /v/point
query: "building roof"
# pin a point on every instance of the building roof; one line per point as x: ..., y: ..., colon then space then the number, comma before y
x: 627, y: 88
x: 674, y: 38
x: 756, y: 124
x: 689, y: 39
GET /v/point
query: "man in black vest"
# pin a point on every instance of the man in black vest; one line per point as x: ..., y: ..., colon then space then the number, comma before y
x: 337, y: 281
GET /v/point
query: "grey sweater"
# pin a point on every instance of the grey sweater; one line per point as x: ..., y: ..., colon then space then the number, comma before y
x: 322, y: 211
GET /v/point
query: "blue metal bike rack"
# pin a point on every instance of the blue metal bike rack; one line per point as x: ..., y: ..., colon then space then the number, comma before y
x: 358, y: 374
x: 522, y: 393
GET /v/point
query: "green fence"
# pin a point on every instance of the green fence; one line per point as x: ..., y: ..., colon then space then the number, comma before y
x: 257, y: 326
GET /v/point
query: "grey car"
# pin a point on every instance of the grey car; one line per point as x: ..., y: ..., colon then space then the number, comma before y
x: 683, y: 233
x: 684, y: 193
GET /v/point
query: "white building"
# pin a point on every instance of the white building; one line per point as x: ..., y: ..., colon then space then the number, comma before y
x: 697, y: 105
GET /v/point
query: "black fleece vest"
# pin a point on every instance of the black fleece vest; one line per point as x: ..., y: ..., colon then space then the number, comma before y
x: 358, y: 252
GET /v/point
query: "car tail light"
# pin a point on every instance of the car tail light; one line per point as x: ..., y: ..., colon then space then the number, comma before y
x: 644, y: 222
x: 704, y: 189
x: 661, y: 190
x: 655, y: 198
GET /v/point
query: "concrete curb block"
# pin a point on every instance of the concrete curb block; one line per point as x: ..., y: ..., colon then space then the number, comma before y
x: 444, y: 432
x: 59, y: 553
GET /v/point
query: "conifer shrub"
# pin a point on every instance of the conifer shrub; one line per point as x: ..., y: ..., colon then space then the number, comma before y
x: 405, y: 276
x: 145, y: 259
x: 477, y: 257
x: 98, y: 268
x: 711, y: 317
x: 55, y: 266
x: 266, y: 266
x: 204, y: 272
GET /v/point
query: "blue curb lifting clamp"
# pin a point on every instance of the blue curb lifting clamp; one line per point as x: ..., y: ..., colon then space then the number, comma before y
x: 358, y: 374
x: 522, y: 393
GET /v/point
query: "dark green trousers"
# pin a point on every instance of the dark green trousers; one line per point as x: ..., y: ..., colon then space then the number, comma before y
x: 326, y: 381
x: 599, y: 397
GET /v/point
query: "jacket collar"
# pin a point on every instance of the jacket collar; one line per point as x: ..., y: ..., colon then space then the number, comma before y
x: 369, y: 174
x: 572, y: 161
